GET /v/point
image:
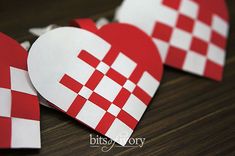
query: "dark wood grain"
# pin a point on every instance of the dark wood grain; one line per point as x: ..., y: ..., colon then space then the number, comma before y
x: 189, y: 115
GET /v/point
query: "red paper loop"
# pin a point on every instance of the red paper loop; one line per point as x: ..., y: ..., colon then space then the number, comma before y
x: 85, y: 23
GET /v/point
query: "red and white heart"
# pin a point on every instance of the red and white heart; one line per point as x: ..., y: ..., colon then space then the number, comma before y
x: 104, y: 79
x: 19, y: 106
x: 190, y: 34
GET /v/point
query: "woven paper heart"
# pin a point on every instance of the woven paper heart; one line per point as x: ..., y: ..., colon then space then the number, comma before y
x: 19, y: 106
x: 104, y: 81
x: 190, y: 34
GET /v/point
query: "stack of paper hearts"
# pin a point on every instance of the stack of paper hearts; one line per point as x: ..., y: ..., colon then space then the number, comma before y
x: 105, y: 78
x: 99, y: 77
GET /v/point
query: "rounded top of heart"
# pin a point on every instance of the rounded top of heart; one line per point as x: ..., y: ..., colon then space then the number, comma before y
x: 12, y: 54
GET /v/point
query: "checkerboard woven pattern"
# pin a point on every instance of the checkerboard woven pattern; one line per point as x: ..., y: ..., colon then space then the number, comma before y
x: 189, y: 36
x: 19, y: 110
x: 112, y: 96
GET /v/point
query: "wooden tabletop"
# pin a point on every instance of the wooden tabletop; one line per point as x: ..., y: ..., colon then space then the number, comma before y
x: 189, y: 115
